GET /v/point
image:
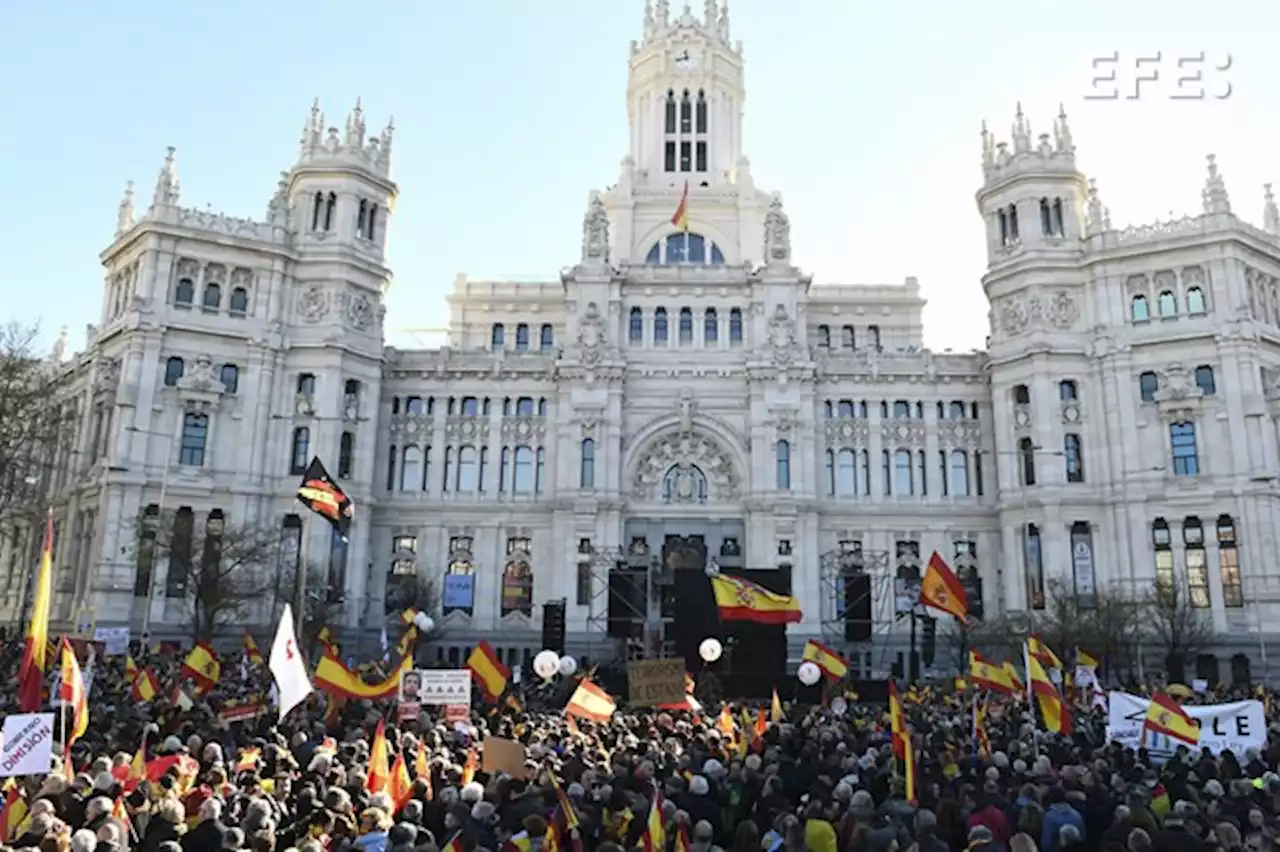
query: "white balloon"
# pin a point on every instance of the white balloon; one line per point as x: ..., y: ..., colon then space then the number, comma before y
x: 568, y: 665
x: 422, y: 621
x: 546, y: 663
x: 839, y: 705
x: 710, y: 649
x: 809, y: 673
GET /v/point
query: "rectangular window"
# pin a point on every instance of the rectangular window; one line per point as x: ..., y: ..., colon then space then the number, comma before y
x: 1182, y: 444
x: 146, y: 560
x: 180, y: 552
x: 669, y: 157
x: 701, y: 152
x: 1229, y: 563
x: 977, y: 471
x: 1197, y: 563
x: 1166, y: 594
x: 686, y: 156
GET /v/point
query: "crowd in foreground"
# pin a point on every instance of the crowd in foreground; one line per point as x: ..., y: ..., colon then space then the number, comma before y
x: 815, y: 780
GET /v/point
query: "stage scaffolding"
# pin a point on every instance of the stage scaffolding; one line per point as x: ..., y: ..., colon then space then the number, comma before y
x: 836, y: 567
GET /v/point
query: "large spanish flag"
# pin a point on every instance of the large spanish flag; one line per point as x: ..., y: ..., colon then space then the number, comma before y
x: 987, y: 675
x: 489, y: 672
x: 941, y: 590
x: 202, y: 666
x: 336, y: 679
x: 35, y: 649
x: 681, y: 217
x: 741, y: 600
x: 1056, y: 712
x: 1166, y: 716
x: 825, y: 658
x: 379, y: 761
x: 590, y: 702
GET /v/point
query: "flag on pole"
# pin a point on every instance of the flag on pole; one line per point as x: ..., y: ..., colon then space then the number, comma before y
x: 681, y: 217
x: 1166, y: 716
x: 292, y: 684
x: 31, y: 670
x: 379, y: 763
x: 73, y: 695
x: 252, y: 652
x: 941, y: 590
x: 319, y: 493
x: 1056, y: 712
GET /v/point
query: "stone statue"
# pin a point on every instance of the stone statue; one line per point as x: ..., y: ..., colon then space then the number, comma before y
x: 595, y: 233
x: 591, y: 328
x: 777, y: 234
x: 782, y: 331
x: 686, y: 407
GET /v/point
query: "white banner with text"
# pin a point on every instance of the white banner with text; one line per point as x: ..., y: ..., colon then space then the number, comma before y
x: 1231, y: 727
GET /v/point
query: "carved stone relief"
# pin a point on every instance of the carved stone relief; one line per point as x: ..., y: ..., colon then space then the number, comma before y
x: 466, y: 429
x: 411, y: 428
x: 847, y: 432
x: 201, y: 377
x: 359, y: 311
x: 1017, y: 314
x: 902, y: 432
x: 523, y: 430
x: 685, y: 454
x: 313, y: 305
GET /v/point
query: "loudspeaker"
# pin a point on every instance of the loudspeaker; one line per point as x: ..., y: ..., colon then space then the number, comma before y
x: 929, y: 641
x: 626, y: 601
x: 857, y: 607
x: 553, y: 626
x: 973, y: 591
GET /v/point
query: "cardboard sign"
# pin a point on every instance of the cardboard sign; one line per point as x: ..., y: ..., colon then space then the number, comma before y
x: 1237, y: 726
x: 27, y: 744
x: 654, y: 682
x: 441, y: 687
x: 503, y: 755
x: 407, y: 712
x: 457, y: 713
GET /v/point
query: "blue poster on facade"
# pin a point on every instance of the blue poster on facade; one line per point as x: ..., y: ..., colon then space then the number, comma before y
x: 459, y: 591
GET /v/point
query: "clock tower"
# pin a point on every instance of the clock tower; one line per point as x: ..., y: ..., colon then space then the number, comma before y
x: 684, y: 98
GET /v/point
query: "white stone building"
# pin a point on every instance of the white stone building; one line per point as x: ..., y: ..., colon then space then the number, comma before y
x: 1120, y: 429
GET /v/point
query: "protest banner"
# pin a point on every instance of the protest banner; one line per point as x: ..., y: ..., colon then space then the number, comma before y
x: 1237, y: 726
x: 654, y: 682
x: 27, y: 744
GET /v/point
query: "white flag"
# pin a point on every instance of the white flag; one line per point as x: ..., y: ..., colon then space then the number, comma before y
x: 287, y: 667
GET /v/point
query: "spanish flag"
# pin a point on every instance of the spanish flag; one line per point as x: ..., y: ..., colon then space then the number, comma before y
x: 130, y: 669
x: 379, y: 770
x: 655, y: 830
x: 681, y: 217
x: 251, y: 651
x: 682, y: 839
x: 489, y: 672
x: 897, y: 722
x: 570, y: 814
x: 1037, y: 648
x: 339, y: 681
x: 775, y: 708
x: 14, y: 812
x: 941, y: 590
x: 1057, y: 715
x: 980, y: 728
x: 741, y: 600
x: 469, y: 768
x: 202, y: 666
x: 407, y: 641
x: 1014, y: 678
x: 36, y: 646
x: 319, y: 493
x: 72, y: 694
x: 987, y: 675
x: 1166, y: 716
x: 1086, y: 660
x: 825, y: 658
x: 399, y: 785
x: 590, y: 702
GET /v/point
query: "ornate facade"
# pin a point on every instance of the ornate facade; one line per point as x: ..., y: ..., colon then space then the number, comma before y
x: 1119, y: 431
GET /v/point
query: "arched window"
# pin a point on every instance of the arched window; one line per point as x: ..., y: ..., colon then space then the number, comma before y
x: 660, y: 327
x: 346, y: 454
x: 635, y: 331
x: 468, y: 475
x: 411, y: 469
x: 1168, y: 305
x: 700, y: 114
x: 831, y: 472
x: 669, y: 113
x: 824, y: 337
x: 1204, y: 380
x: 681, y: 247
x: 1195, y: 301
x: 873, y: 337
x: 498, y: 336
x: 846, y: 474
x: 684, y: 484
x: 902, y: 473
x: 546, y: 337
x: 185, y: 293
x: 783, y: 450
x: 195, y: 433
x: 230, y: 376
x: 710, y: 326
x: 1021, y: 395
x: 239, y: 301
x: 517, y: 588
x: 300, y: 451
x: 1033, y: 566
x: 686, y: 115
x: 587, y: 465
x: 1140, y: 309
x: 959, y: 473
x: 955, y: 411
x: 1148, y: 385
x: 173, y: 370
x: 716, y: 257
x: 1027, y: 461
x: 522, y: 337
x: 523, y: 473
x: 1057, y: 222
x: 212, y: 296
x: 1046, y: 218
x: 654, y: 257
x: 1073, y: 457
x: 847, y: 340
x: 686, y: 326
x: 1068, y: 391
x: 735, y: 326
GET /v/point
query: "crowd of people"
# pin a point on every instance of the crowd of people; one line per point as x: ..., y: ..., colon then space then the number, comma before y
x: 180, y: 774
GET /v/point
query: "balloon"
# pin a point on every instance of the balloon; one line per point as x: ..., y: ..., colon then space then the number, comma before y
x: 809, y: 673
x: 422, y: 621
x: 710, y: 649
x: 568, y: 665
x: 839, y: 705
x: 546, y: 663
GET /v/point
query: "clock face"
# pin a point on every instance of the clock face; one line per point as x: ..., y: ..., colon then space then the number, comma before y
x: 685, y: 61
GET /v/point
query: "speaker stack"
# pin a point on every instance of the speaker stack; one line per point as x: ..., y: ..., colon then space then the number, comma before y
x: 857, y: 607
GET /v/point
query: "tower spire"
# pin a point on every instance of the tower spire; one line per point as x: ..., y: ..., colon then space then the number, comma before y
x: 722, y: 25
x: 1270, y: 213
x: 355, y: 126
x: 1215, y: 195
x: 167, y: 187
x: 1062, y: 132
x: 1021, y: 132
x: 124, y: 216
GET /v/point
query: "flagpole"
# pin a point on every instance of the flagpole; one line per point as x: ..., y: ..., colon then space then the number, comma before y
x: 1026, y: 663
x: 300, y: 586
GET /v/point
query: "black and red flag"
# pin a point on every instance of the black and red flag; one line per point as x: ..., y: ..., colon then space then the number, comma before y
x: 319, y: 493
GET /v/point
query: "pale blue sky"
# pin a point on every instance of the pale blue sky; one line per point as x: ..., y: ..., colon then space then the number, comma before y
x: 864, y: 115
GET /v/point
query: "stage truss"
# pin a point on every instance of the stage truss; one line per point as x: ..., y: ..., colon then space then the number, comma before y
x: 834, y: 567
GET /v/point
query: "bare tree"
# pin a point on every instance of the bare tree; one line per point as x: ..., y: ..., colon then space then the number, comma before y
x: 36, y: 427
x: 1105, y: 623
x: 1175, y: 625
x: 414, y: 592
x: 222, y: 571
